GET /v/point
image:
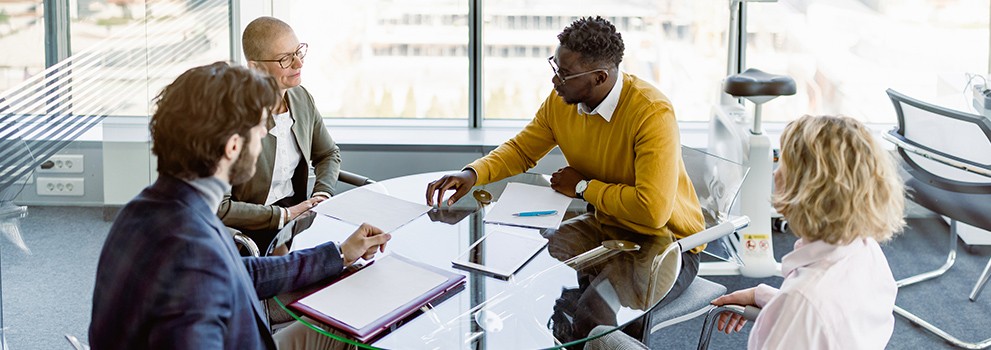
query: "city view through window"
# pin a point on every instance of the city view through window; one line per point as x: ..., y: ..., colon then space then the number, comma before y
x: 409, y: 58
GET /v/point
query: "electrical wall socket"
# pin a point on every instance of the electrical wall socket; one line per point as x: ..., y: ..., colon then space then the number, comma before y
x: 63, y: 163
x: 61, y: 186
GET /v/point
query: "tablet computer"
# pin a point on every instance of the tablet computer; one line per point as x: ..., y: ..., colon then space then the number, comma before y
x: 500, y: 254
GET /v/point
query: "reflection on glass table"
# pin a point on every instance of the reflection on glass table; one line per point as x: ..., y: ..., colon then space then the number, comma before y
x: 580, y: 281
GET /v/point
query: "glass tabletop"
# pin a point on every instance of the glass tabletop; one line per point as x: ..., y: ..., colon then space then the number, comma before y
x: 588, y: 275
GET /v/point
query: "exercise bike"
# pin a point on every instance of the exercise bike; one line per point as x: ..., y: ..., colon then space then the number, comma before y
x: 736, y: 136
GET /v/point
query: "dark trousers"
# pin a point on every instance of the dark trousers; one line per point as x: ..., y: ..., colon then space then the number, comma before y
x: 638, y: 283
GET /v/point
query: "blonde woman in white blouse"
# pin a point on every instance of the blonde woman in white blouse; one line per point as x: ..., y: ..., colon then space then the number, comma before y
x: 841, y: 194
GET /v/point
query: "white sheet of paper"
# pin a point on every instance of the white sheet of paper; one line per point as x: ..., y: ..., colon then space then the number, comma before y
x: 374, y: 291
x: 324, y: 229
x: 520, y: 197
x: 380, y: 210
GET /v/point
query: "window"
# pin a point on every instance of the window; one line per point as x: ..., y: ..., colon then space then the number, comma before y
x: 425, y: 74
x: 125, y: 52
x: 22, y: 35
x: 678, y: 46
x: 844, y: 54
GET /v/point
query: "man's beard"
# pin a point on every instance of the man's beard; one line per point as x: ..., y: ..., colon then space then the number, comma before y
x: 243, y: 168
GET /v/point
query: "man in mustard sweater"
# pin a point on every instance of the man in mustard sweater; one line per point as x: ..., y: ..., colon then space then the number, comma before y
x: 619, y: 136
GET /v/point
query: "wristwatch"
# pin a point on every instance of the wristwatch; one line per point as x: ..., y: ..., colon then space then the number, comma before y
x: 580, y: 188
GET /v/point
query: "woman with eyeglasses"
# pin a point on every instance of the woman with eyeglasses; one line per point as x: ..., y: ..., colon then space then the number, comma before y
x: 296, y: 139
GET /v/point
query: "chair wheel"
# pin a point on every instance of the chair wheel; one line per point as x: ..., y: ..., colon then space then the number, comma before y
x: 779, y: 225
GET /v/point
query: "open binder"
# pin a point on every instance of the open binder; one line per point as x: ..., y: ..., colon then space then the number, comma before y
x: 379, y: 295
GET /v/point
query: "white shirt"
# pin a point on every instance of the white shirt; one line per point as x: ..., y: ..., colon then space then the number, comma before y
x: 607, y: 107
x: 287, y: 156
x: 833, y: 297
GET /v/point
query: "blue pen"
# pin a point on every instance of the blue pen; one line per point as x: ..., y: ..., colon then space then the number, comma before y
x: 536, y: 213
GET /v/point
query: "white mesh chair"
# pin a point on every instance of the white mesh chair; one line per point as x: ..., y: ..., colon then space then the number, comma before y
x: 717, y: 182
x: 948, y: 155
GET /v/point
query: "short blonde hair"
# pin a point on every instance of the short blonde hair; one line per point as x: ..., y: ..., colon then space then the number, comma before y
x: 839, y: 184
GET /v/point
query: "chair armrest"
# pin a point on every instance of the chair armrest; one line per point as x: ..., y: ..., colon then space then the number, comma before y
x: 962, y: 164
x: 713, y: 233
x: 353, y: 179
x: 749, y: 313
x: 244, y: 241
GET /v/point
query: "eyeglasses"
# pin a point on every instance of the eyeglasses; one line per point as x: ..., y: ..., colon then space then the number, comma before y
x: 564, y: 79
x: 286, y: 60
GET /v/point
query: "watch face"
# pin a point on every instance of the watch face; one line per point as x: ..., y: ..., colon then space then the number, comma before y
x: 580, y: 187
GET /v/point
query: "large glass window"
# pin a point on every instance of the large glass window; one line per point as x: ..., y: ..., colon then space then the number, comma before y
x: 22, y: 37
x: 125, y: 52
x: 844, y: 54
x: 385, y: 58
x: 678, y: 45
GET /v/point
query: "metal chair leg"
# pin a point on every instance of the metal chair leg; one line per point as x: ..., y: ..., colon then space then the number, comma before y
x: 950, y: 258
x: 939, y: 332
x: 981, y: 282
x: 936, y: 273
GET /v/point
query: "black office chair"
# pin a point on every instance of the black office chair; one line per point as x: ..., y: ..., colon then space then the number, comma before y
x: 948, y: 155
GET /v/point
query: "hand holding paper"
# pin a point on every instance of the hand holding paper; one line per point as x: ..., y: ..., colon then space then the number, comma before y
x: 363, y: 243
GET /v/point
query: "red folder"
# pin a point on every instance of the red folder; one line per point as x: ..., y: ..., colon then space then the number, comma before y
x: 452, y: 281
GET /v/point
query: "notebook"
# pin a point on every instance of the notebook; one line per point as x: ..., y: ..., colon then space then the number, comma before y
x: 384, y: 292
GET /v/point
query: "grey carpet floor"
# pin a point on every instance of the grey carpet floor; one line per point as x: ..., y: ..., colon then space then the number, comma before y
x: 47, y: 292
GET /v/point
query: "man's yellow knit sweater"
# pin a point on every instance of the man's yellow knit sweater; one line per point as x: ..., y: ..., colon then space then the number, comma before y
x: 638, y: 178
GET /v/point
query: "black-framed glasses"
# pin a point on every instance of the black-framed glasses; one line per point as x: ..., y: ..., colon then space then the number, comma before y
x: 564, y: 79
x: 286, y: 60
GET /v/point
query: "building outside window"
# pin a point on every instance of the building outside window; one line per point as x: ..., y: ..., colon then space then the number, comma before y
x: 22, y: 37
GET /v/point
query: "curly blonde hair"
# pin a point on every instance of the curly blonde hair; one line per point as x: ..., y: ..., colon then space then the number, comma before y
x: 838, y: 183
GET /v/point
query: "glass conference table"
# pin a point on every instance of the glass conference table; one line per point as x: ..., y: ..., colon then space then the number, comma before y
x: 581, y: 281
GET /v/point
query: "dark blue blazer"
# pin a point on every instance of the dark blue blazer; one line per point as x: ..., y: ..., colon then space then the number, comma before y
x: 170, y: 277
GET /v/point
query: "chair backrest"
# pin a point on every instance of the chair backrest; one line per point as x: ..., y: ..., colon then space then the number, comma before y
x: 717, y: 182
x: 961, y: 138
x: 17, y: 163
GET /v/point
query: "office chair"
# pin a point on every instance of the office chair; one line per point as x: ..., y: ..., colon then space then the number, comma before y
x: 76, y: 343
x: 620, y: 341
x: 949, y: 175
x: 717, y: 182
x: 17, y: 164
x: 749, y: 313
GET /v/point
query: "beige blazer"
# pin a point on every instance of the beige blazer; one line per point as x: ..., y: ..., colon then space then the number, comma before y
x: 243, y: 207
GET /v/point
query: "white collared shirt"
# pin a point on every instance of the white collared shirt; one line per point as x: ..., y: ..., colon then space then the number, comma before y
x: 833, y: 297
x: 287, y: 156
x: 607, y: 107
